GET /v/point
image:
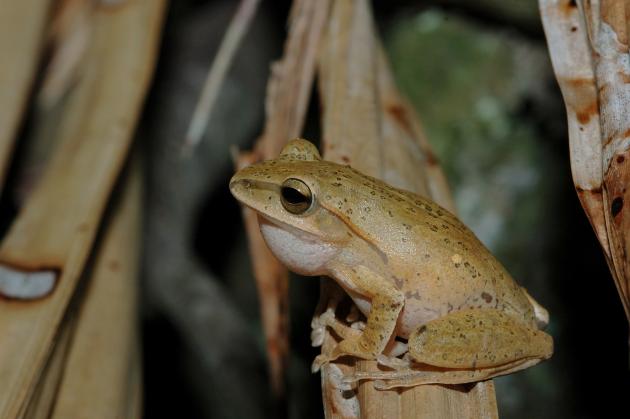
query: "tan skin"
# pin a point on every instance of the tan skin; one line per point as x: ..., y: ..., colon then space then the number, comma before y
x: 410, y: 266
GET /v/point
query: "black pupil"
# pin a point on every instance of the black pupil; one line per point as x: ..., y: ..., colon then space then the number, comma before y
x: 293, y: 196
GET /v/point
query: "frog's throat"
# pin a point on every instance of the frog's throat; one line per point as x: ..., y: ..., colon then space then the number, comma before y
x: 300, y: 251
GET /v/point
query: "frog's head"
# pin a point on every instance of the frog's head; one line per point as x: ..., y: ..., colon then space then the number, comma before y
x: 286, y: 192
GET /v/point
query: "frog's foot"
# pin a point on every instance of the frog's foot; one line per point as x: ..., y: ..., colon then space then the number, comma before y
x: 393, y: 362
x: 353, y: 346
x: 318, y: 326
x: 319, y: 362
x: 317, y: 336
x: 328, y: 319
x: 426, y: 374
x: 349, y: 346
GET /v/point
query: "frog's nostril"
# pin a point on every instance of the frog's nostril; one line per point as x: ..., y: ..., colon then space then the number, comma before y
x: 241, y: 185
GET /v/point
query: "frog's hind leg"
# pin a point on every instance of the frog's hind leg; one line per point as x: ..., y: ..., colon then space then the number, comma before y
x: 477, y: 338
x: 385, y: 380
x: 467, y: 346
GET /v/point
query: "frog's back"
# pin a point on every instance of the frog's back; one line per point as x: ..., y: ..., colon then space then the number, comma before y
x: 438, y: 260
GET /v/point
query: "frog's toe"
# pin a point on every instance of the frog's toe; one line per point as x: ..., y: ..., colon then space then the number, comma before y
x: 319, y: 362
x: 317, y: 336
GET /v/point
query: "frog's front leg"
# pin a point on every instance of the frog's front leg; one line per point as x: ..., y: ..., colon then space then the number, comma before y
x: 386, y: 302
x: 467, y: 346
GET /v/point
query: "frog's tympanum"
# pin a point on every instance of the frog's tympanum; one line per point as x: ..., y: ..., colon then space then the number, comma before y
x: 431, y: 292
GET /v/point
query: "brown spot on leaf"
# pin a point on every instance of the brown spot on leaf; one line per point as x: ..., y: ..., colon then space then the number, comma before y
x: 584, y: 115
x: 400, y: 115
x: 431, y: 159
x: 616, y: 206
x: 114, y: 266
x: 620, y: 159
x: 486, y: 297
x: 594, y: 191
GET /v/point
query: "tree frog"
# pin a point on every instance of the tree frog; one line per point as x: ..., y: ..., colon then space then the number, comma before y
x: 424, y: 281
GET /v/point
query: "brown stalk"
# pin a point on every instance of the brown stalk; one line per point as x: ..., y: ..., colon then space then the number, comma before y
x: 368, y: 125
x: 22, y: 25
x: 288, y: 91
x: 57, y: 226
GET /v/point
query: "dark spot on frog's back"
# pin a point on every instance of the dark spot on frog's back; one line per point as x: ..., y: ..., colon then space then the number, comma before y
x: 486, y: 297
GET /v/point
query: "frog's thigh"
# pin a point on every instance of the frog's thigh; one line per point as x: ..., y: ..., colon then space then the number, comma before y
x: 477, y: 338
x: 386, y: 303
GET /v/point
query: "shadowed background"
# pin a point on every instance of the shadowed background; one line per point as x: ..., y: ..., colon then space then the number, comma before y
x: 480, y: 78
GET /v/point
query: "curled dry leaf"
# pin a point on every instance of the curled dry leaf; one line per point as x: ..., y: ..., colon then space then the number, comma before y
x: 588, y: 43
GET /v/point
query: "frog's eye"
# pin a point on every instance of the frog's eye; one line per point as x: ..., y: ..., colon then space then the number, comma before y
x: 296, y: 197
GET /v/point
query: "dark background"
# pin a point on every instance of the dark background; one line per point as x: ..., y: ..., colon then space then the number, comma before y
x: 480, y: 78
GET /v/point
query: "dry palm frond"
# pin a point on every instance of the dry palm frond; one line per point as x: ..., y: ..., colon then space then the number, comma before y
x: 22, y: 25
x: 58, y: 223
x: 100, y: 362
x: 588, y: 43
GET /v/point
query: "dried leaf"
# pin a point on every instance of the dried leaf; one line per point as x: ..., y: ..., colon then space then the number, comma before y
x: 588, y: 42
x: 22, y: 26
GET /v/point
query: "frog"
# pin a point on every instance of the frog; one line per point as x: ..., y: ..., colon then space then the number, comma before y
x: 440, y: 308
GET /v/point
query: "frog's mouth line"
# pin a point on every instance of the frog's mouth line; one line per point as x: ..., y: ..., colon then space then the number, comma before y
x: 302, y: 234
x: 240, y: 190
